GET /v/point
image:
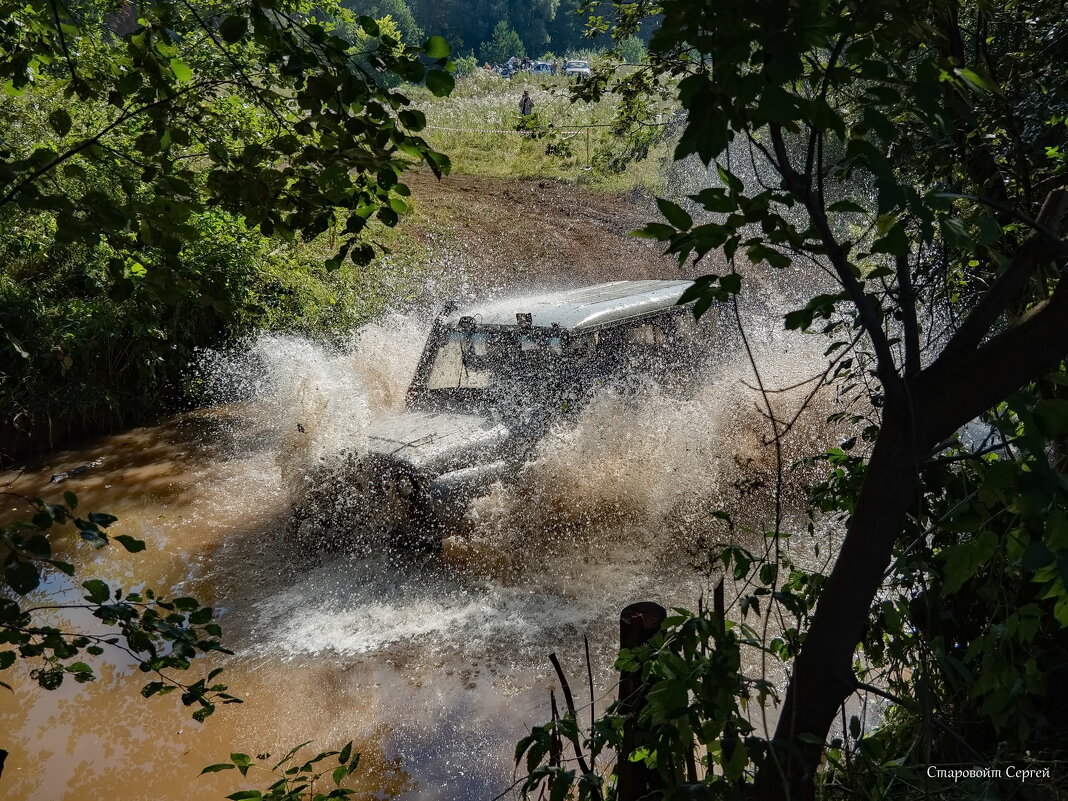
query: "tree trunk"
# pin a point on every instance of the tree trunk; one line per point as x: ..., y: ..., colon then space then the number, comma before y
x: 823, y: 671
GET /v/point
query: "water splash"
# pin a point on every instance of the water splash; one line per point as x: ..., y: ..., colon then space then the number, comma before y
x: 597, y: 517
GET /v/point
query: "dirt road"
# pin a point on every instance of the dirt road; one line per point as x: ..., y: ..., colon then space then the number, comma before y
x: 517, y: 233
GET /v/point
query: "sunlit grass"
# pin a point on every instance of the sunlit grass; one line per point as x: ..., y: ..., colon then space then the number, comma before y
x: 476, y: 128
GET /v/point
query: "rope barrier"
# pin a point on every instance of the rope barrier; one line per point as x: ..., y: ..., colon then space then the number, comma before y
x: 503, y: 131
x: 531, y: 133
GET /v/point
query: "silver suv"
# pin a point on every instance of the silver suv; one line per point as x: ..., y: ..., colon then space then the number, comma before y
x: 577, y: 69
x: 490, y: 383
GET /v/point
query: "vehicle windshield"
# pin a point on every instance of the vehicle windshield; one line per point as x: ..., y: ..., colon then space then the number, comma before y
x: 503, y: 366
x: 577, y: 64
x: 512, y: 369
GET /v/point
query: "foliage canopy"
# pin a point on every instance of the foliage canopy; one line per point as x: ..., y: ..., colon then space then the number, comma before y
x: 161, y: 177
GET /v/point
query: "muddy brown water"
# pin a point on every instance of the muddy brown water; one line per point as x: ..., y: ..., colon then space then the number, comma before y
x: 435, y: 664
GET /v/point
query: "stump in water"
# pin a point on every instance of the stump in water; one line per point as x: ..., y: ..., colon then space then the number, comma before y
x: 637, y: 624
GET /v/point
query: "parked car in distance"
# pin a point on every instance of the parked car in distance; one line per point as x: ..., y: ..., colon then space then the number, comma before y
x: 491, y: 382
x: 541, y: 67
x: 577, y: 69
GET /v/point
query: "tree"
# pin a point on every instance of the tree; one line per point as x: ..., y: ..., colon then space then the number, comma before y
x: 323, y: 144
x: 566, y: 31
x: 916, y: 154
x: 531, y: 19
x: 397, y: 10
x: 504, y: 44
x: 631, y: 50
x: 162, y: 635
x: 135, y: 148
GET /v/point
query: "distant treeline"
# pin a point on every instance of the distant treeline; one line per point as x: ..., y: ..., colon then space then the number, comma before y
x: 487, y: 29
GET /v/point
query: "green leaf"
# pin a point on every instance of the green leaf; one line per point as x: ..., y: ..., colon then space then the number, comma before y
x: 370, y: 26
x: 130, y: 544
x: 340, y: 772
x: 246, y: 795
x: 233, y: 28
x: 412, y: 119
x: 759, y: 253
x: 778, y: 105
x: 185, y: 604
x: 675, y: 214
x: 201, y: 616
x: 658, y: 231
x: 895, y: 242
x: 22, y: 577
x: 98, y: 591
x: 217, y: 768
x: 729, y: 179
x: 731, y: 283
x: 101, y: 519
x: 38, y: 545
x: 715, y: 199
x: 847, y: 207
x: 820, y: 306
x: 70, y: 499
x: 93, y: 537
x: 977, y: 80
x: 437, y: 47
x: 60, y: 121
x: 440, y: 83
x: 181, y: 70
x: 561, y: 785
x: 964, y: 560
x: 7, y: 659
x: 1052, y: 416
x: 707, y: 126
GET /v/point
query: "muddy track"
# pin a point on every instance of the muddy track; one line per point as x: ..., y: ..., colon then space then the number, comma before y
x: 517, y: 233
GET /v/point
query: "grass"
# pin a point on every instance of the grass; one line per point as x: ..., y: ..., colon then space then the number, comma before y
x: 477, y: 128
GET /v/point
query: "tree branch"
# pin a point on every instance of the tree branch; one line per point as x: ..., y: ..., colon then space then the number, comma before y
x: 1008, y: 287
x: 869, y: 317
x: 953, y: 391
x: 128, y: 114
x: 910, y: 326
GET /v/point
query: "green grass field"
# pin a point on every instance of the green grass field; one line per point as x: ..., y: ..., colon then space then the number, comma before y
x: 476, y: 127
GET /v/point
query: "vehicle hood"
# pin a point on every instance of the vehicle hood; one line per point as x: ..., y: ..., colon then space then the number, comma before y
x: 438, y: 442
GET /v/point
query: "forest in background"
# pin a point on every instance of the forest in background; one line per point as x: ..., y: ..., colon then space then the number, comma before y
x: 478, y: 28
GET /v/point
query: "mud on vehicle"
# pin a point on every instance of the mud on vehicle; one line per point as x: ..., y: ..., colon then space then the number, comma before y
x: 490, y: 383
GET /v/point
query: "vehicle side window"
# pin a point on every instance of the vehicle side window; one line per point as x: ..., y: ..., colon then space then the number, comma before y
x: 642, y: 334
x: 685, y: 326
x: 581, y: 348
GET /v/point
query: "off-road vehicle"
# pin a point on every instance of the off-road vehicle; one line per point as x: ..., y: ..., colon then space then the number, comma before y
x: 493, y: 379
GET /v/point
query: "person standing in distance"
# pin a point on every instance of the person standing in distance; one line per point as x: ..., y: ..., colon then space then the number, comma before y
x: 526, y: 103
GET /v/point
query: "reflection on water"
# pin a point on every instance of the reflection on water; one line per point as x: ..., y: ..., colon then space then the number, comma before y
x: 435, y: 663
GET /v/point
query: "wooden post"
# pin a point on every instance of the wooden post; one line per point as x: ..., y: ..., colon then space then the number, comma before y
x: 637, y: 624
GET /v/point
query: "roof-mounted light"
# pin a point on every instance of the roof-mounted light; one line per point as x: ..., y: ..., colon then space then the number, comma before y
x: 524, y: 319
